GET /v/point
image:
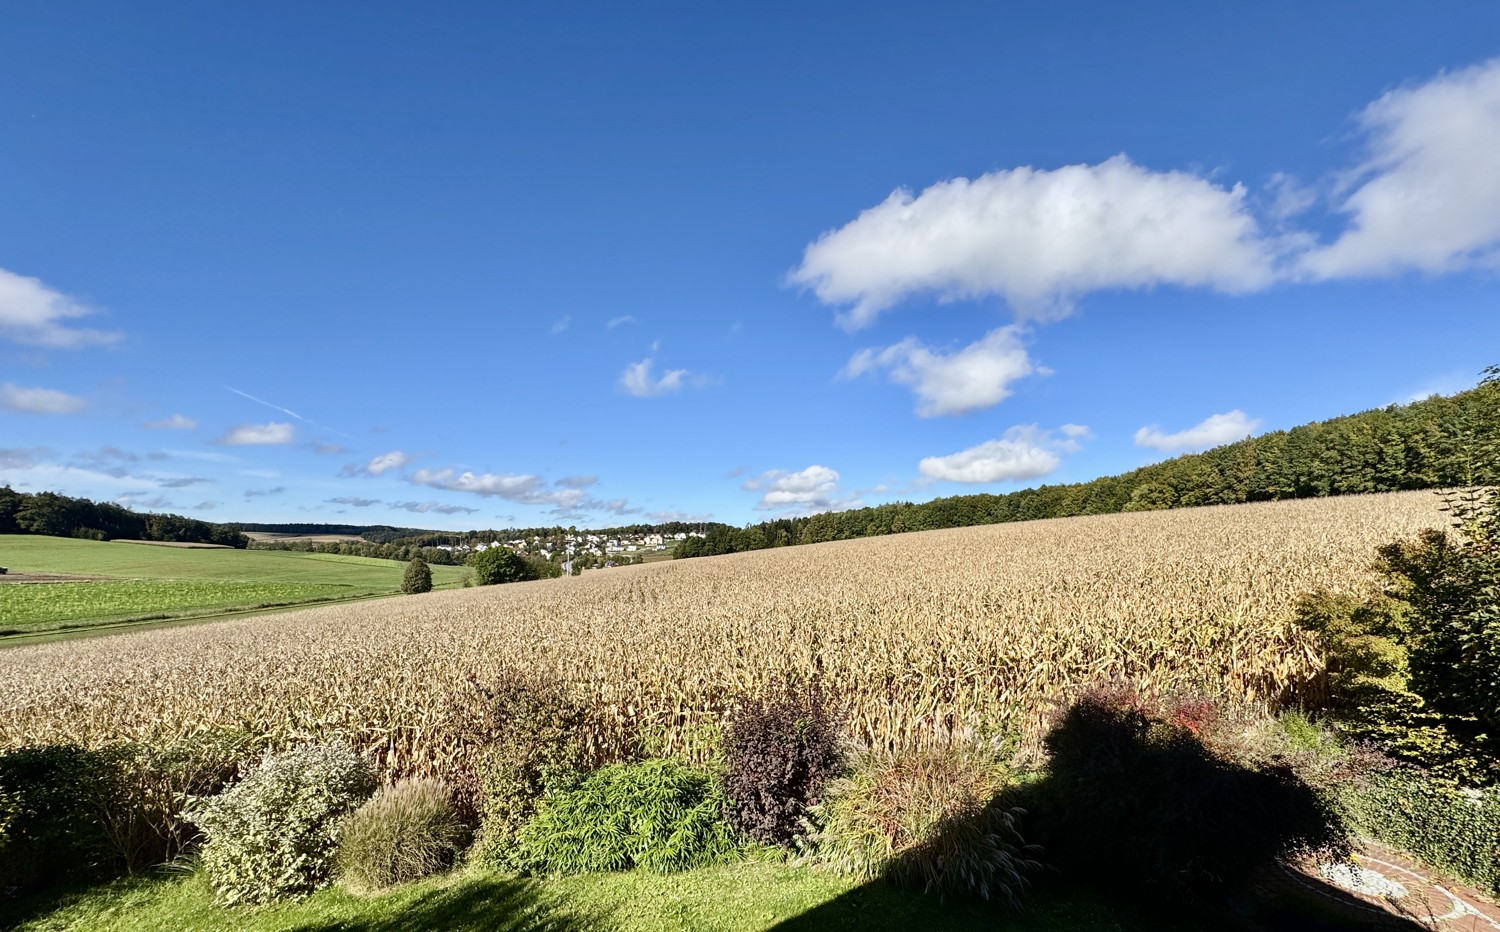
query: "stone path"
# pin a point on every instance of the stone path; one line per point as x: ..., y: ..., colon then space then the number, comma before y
x: 1387, y: 883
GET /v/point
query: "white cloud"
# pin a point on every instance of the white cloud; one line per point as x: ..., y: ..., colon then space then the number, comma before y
x: 805, y: 491
x: 1427, y: 198
x: 1039, y: 239
x: 966, y: 380
x: 1023, y: 452
x: 175, y: 422
x: 39, y: 400
x: 561, y: 324
x: 1212, y: 431
x: 516, y: 488
x: 32, y: 313
x: 385, y: 462
x: 264, y: 435
x: 637, y: 380
x: 576, y: 482
x: 619, y: 321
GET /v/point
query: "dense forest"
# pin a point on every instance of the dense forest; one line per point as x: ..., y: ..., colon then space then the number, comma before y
x: 61, y: 516
x: 1430, y: 444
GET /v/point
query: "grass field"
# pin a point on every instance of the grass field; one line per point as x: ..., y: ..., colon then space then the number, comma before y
x: 967, y: 633
x: 137, y: 582
x: 739, y: 898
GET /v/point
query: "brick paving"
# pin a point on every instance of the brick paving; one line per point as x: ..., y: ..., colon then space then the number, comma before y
x: 1388, y: 884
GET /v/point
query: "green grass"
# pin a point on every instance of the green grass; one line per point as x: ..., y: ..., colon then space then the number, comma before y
x: 737, y: 898
x: 143, y: 582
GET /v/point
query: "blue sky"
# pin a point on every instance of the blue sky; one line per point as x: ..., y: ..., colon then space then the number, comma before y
x: 463, y: 265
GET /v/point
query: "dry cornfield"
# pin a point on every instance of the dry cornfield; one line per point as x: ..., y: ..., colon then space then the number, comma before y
x: 925, y: 636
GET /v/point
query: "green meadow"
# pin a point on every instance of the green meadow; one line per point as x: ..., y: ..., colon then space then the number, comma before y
x: 137, y: 582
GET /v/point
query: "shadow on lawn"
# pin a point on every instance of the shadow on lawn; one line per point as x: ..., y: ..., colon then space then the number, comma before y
x: 487, y: 905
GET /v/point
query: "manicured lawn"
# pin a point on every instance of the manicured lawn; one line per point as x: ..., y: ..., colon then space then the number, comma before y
x: 737, y: 898
x: 145, y: 582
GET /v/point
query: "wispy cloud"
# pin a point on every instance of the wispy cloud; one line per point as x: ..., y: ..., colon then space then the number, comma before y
x: 561, y: 324
x: 433, y: 507
x: 620, y: 321
x: 36, y: 315
x: 261, y: 493
x: 353, y: 501
x: 175, y: 422
x: 39, y: 400
x: 273, y: 434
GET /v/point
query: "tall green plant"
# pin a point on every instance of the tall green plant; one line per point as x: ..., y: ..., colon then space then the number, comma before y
x: 657, y: 814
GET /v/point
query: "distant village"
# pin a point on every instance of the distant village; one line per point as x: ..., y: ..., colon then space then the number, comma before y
x: 590, y: 550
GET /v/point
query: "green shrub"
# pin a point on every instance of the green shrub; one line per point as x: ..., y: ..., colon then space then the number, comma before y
x: 930, y: 818
x: 1133, y: 799
x: 1454, y: 830
x: 71, y: 811
x: 417, y: 578
x: 275, y: 833
x: 657, y: 814
x: 53, y: 830
x: 779, y: 751
x: 496, y: 565
x: 405, y: 832
x: 532, y: 740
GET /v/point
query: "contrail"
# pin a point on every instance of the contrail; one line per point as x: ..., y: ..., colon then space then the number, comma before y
x: 290, y: 412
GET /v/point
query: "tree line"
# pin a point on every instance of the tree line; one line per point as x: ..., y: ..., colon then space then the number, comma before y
x: 61, y: 516
x: 1427, y: 444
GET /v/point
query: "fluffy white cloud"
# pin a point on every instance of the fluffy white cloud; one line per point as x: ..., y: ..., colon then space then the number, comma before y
x: 520, y: 488
x: 1210, y: 432
x: 805, y: 491
x: 39, y: 400
x: 175, y: 422
x: 385, y: 462
x: 32, y: 313
x: 1039, y: 239
x: 259, y: 435
x: 1023, y: 452
x: 1428, y: 195
x: 637, y: 380
x: 975, y: 377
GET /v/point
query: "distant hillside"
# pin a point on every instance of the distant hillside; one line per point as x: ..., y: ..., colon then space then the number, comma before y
x: 1440, y: 442
x: 60, y: 516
